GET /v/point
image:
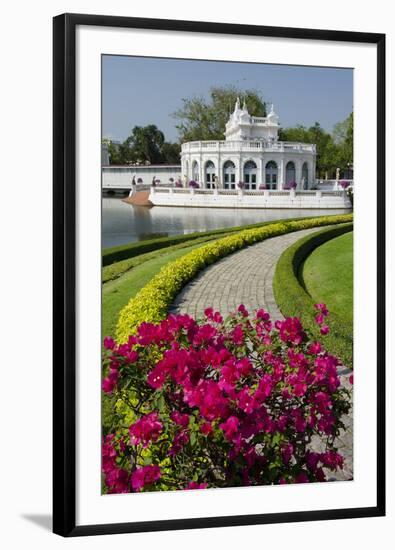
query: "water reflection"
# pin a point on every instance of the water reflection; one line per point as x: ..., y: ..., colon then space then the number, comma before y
x: 122, y: 223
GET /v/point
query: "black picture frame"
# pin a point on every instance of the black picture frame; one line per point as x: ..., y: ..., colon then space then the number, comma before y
x: 64, y: 273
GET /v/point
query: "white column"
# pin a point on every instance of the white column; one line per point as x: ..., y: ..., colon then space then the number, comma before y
x: 262, y: 178
x: 281, y: 173
x: 201, y: 172
x: 298, y: 172
x: 312, y: 172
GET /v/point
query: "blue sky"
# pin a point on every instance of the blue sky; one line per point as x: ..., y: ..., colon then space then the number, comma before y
x: 140, y: 91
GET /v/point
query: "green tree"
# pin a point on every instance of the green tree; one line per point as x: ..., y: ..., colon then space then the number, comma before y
x: 171, y: 153
x: 115, y: 152
x: 344, y: 132
x: 201, y: 119
x: 327, y: 151
x: 145, y: 144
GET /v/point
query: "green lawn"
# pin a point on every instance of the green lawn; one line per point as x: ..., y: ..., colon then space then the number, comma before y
x: 327, y: 275
x: 117, y: 293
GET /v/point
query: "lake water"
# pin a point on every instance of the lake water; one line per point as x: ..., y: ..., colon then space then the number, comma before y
x: 123, y: 223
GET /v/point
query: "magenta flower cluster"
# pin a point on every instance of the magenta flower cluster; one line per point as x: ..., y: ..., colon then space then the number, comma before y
x: 221, y: 402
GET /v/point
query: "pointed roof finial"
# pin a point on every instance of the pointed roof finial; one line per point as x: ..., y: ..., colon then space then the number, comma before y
x: 237, y: 106
x: 245, y: 106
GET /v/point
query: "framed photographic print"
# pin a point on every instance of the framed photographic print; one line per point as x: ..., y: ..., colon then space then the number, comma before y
x: 219, y: 275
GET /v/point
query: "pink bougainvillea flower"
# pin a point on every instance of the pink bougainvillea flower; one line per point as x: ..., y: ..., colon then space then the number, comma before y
x: 144, y: 475
x: 312, y: 460
x: 204, y: 335
x: 351, y: 378
x: 247, y: 402
x: 230, y: 427
x: 324, y: 330
x: 319, y: 319
x: 240, y: 394
x: 314, y: 348
x: 145, y: 430
x: 300, y: 389
x: 332, y: 460
x: 244, y: 366
x: 196, y: 485
x: 264, y: 388
x: 209, y: 312
x: 180, y: 418
x: 180, y: 440
x: 117, y: 480
x: 110, y: 381
x: 206, y: 428
x: 322, y: 308
x: 286, y: 452
x: 262, y: 315
x: 108, y: 343
x: 237, y: 335
x: 291, y: 330
x: 302, y: 478
x: 212, y: 315
x: 242, y: 309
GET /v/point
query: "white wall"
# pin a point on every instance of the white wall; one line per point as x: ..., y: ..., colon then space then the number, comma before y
x: 26, y: 274
x: 119, y: 177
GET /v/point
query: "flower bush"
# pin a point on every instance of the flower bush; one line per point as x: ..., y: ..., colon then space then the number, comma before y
x: 152, y: 301
x: 344, y: 184
x: 220, y: 403
x: 194, y: 184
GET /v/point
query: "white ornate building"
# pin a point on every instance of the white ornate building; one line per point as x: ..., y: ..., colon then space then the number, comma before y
x: 250, y: 153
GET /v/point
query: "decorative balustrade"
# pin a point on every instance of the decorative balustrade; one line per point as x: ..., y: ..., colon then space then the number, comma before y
x: 247, y: 145
x: 246, y: 198
x: 249, y: 192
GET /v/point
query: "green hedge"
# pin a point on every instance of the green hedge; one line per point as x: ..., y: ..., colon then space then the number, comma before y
x: 293, y: 299
x: 152, y: 301
x: 125, y: 251
x: 117, y: 269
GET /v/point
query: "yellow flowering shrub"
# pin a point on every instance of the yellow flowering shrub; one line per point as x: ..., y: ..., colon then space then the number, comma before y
x: 152, y: 302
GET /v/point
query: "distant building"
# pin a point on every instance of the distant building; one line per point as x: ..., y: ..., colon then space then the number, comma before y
x: 105, y: 156
x: 251, y: 154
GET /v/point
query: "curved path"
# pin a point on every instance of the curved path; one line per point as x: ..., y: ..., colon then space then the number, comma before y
x: 246, y: 277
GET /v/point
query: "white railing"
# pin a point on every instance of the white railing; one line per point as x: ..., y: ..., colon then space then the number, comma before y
x: 267, y: 192
x: 247, y: 145
x: 333, y: 185
x: 259, y: 120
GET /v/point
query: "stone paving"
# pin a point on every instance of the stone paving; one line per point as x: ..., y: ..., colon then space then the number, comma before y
x: 246, y: 277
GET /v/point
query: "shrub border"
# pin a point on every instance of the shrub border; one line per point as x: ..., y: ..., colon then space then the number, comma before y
x: 126, y: 251
x: 293, y: 299
x: 151, y: 303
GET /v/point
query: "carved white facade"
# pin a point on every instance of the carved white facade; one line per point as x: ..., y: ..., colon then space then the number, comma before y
x: 250, y: 154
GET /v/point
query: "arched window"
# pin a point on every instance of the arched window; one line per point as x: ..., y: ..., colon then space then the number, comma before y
x: 195, y: 171
x: 250, y: 174
x: 305, y: 175
x: 209, y: 171
x: 229, y: 175
x: 290, y: 173
x: 271, y: 174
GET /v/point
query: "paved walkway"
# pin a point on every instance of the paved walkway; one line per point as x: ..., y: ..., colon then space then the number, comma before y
x: 246, y: 277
